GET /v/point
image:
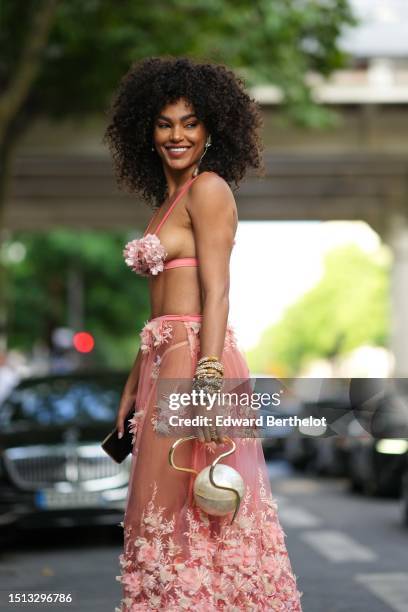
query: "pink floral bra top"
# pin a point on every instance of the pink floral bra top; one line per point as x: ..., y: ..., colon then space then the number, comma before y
x: 147, y: 255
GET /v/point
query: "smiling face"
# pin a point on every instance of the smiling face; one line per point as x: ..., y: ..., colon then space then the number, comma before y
x: 179, y: 136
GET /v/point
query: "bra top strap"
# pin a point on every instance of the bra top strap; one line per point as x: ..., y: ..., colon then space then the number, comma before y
x: 182, y: 192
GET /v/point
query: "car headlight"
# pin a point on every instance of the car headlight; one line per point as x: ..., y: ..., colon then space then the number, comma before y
x: 390, y: 446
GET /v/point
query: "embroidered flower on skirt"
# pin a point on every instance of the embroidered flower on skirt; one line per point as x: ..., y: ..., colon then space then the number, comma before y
x: 156, y: 367
x: 230, y: 339
x: 146, y: 255
x: 155, y: 333
x: 193, y: 334
x: 193, y: 330
x: 134, y: 424
x: 161, y: 426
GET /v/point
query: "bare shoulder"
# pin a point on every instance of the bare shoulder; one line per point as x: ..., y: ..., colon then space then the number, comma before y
x: 210, y: 192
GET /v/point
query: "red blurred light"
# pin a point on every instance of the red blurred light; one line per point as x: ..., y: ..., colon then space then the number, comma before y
x: 83, y: 342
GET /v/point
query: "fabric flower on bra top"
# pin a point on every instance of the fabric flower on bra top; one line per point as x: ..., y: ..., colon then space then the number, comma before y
x: 145, y: 256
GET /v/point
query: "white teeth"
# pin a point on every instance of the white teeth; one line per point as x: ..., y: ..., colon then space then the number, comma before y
x: 178, y: 149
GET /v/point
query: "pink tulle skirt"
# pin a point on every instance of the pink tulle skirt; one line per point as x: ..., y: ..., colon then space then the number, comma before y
x: 176, y: 557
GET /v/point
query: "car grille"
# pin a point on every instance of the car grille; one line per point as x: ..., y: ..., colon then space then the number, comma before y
x: 33, y: 467
x: 40, y: 469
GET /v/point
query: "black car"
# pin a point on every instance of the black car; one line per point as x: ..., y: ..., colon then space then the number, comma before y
x: 378, y: 443
x: 53, y: 470
x: 376, y: 466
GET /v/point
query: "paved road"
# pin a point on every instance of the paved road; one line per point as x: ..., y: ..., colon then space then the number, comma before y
x: 350, y: 553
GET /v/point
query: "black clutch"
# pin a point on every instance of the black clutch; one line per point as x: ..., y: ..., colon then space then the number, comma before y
x: 119, y: 448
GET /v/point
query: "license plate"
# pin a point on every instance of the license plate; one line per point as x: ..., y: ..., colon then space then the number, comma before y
x: 50, y: 499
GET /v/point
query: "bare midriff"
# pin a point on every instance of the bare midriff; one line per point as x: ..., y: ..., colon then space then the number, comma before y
x: 175, y: 291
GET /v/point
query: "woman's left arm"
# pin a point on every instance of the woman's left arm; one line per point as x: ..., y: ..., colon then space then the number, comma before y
x: 213, y: 213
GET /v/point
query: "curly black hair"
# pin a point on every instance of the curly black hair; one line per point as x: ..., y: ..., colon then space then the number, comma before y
x: 219, y: 100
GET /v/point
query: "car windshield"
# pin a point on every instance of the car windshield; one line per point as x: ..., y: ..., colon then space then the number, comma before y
x: 62, y: 401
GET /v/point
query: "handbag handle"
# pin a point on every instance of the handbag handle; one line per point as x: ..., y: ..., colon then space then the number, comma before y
x: 212, y: 468
x: 171, y: 455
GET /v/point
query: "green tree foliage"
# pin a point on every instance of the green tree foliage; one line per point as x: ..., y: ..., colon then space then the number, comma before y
x: 347, y: 308
x: 39, y: 286
x: 91, y: 43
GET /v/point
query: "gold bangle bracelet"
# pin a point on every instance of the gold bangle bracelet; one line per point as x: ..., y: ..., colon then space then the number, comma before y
x: 200, y: 370
x: 211, y: 364
x: 208, y: 369
x: 208, y: 358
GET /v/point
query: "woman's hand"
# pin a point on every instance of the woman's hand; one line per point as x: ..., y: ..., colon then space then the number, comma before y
x: 126, y: 404
x: 207, y: 433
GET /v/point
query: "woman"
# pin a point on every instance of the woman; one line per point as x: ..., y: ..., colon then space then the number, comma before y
x: 180, y: 134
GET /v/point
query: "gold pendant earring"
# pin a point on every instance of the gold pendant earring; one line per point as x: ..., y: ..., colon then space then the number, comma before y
x: 207, y: 144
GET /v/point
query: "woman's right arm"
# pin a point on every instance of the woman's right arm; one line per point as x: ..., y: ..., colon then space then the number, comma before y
x: 129, y: 394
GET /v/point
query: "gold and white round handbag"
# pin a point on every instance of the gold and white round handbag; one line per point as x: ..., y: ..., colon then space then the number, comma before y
x: 218, y: 488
